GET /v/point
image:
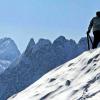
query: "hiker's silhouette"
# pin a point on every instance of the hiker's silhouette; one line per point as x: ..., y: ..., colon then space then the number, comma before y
x: 95, y: 24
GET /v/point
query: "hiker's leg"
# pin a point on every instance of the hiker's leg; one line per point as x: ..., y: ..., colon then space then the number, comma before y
x: 96, y: 39
x: 95, y: 43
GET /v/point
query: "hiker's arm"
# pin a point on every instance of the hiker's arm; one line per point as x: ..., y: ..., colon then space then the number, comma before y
x: 90, y: 26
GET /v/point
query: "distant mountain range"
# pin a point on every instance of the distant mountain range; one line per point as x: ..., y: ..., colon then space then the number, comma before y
x: 35, y: 61
x: 8, y: 53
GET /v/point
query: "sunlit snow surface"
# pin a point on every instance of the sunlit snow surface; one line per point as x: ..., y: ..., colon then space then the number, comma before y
x: 83, y: 73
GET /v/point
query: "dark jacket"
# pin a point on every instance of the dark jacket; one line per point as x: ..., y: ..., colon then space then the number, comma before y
x: 95, y: 23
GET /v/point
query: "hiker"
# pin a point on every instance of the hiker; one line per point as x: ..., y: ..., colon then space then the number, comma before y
x: 95, y: 24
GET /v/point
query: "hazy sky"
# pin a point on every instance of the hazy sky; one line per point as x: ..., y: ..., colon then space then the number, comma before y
x: 23, y: 19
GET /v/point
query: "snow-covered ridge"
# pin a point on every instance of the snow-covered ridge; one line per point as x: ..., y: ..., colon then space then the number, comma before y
x: 78, y: 79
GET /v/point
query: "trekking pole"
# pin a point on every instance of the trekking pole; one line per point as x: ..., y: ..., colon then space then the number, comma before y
x: 88, y: 42
x: 89, y: 39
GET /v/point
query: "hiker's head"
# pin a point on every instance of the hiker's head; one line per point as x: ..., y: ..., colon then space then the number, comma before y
x: 98, y: 13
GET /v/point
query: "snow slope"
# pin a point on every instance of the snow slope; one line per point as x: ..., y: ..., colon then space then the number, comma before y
x: 78, y: 79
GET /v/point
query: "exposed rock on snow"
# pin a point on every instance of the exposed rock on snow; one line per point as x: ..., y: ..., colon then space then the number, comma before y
x: 82, y: 76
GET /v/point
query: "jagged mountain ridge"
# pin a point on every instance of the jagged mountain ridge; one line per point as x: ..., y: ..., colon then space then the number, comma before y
x: 8, y: 49
x: 78, y: 79
x: 38, y: 59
